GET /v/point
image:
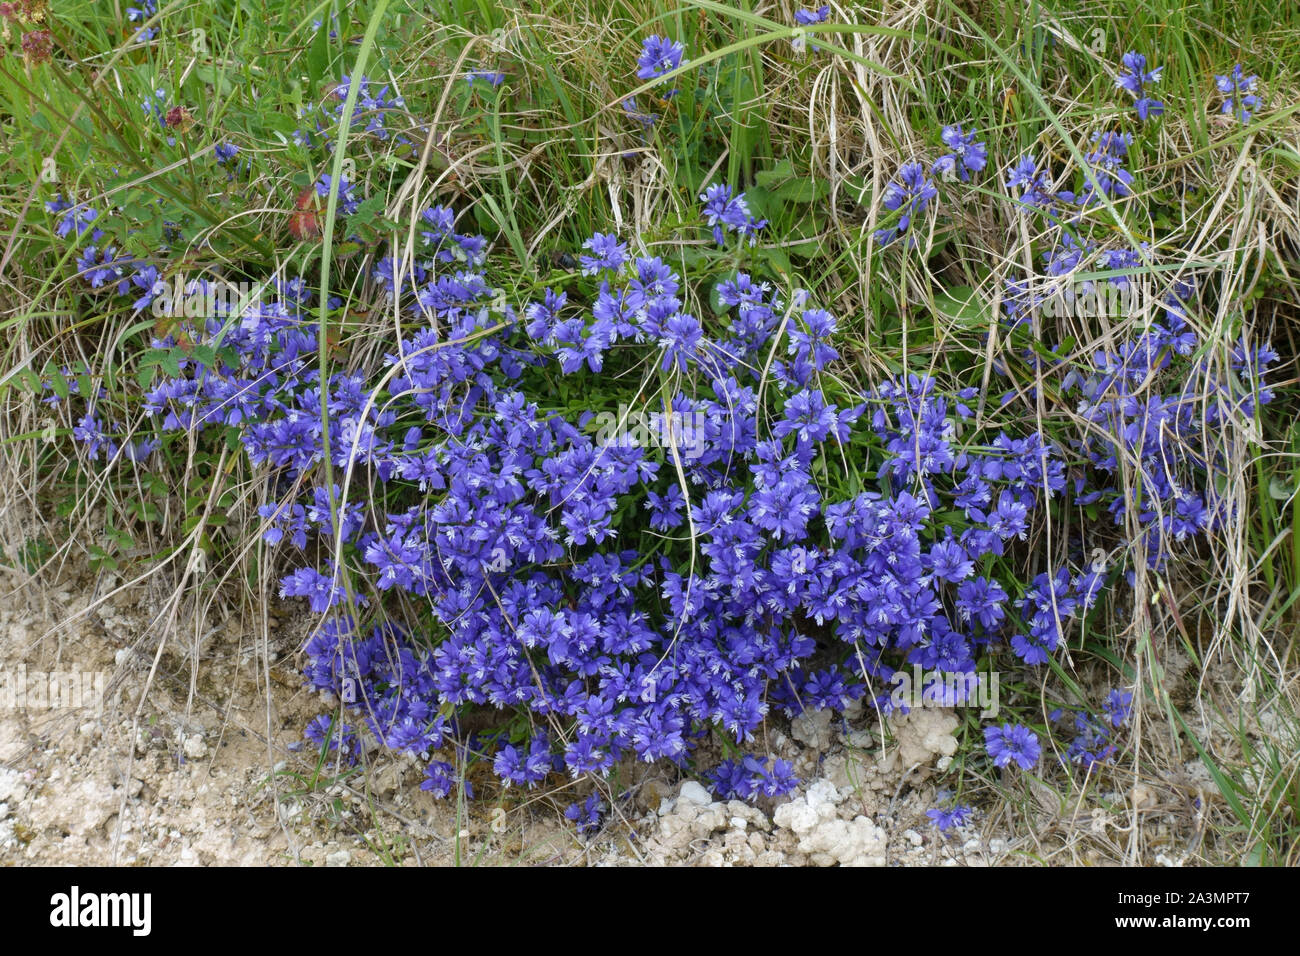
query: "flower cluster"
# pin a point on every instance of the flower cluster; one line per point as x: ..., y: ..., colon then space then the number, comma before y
x: 949, y: 815
x: 1106, y: 162
x: 1012, y: 743
x: 586, y: 816
x: 639, y: 605
x: 726, y: 212
x: 1156, y: 415
x: 808, y: 17
x: 480, y: 547
x: 750, y: 778
x: 659, y: 55
x: 1094, y: 740
x: 375, y: 106
x: 140, y: 14
x: 967, y: 156
x: 1239, y: 97
x: 1135, y: 79
x: 909, y: 195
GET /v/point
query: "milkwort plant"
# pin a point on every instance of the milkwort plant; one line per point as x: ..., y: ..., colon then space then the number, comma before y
x: 1156, y: 409
x: 616, y: 601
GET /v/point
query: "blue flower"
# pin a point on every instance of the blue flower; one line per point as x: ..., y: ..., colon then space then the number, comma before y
x: 659, y: 55
x: 321, y: 592
x: 809, y: 17
x: 634, y: 112
x: 559, y: 571
x: 143, y: 12
x: 1010, y: 743
x: 347, y: 202
x: 493, y: 78
x: 1118, y: 707
x: 909, y: 195
x: 750, y: 778
x: 723, y: 211
x: 1238, y: 91
x: 440, y: 780
x: 967, y: 156
x: 949, y: 818
x: 680, y: 339
x: 1134, y: 79
x: 586, y: 816
x: 1106, y: 160
x: 607, y: 253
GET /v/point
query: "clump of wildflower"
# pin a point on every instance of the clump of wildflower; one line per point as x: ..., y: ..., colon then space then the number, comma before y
x: 1239, y: 97
x: 949, y: 816
x: 556, y: 565
x: 586, y: 816
x: 1012, y: 743
x: 723, y: 211
x: 967, y: 156
x: 908, y: 195
x: 1135, y: 79
x: 659, y: 55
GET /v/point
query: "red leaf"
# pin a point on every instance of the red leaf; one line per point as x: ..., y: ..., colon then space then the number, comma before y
x: 304, y: 223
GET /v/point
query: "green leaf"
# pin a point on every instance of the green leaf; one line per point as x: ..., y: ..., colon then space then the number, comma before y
x: 964, y: 305
x: 777, y: 260
x: 777, y: 174
x: 1280, y: 490
x: 31, y: 380
x: 367, y: 212
x: 804, y: 190
x: 759, y: 200
x: 318, y: 56
x: 59, y: 384
x: 782, y: 183
x: 100, y: 559
x: 204, y: 355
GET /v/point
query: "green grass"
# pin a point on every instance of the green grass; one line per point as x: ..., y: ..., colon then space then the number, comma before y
x: 551, y: 157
